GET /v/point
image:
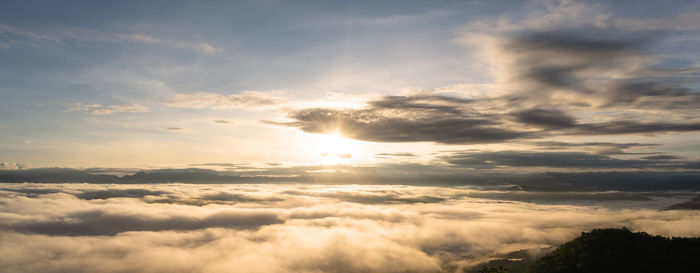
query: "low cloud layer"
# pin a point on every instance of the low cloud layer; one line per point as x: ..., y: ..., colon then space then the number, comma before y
x: 304, y: 228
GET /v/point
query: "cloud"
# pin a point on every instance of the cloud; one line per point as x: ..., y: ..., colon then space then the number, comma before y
x: 98, y: 109
x: 54, y: 175
x: 346, y: 156
x: 149, y: 39
x: 394, y: 119
x: 692, y: 204
x: 632, y: 127
x: 554, y: 80
x: 461, y: 124
x: 112, y: 193
x: 221, y: 121
x: 10, y: 166
x: 234, y: 197
x: 246, y: 99
x: 546, y: 171
x: 31, y: 192
x: 394, y: 154
x: 545, y: 118
x: 63, y: 34
x: 372, y: 197
x: 610, y: 148
x: 177, y: 129
x: 99, y: 222
x: 227, y: 165
x: 604, y: 69
x: 558, y: 160
x: 685, y: 21
x: 310, y: 230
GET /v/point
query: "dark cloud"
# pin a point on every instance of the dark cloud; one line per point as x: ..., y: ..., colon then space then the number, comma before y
x: 430, y: 103
x: 395, y: 154
x: 406, y: 119
x: 54, y: 175
x: 601, y: 147
x: 548, y: 65
x: 601, y: 47
x: 567, y: 82
x: 632, y: 127
x: 236, y: 197
x: 554, y: 159
x: 602, y: 180
x: 30, y: 192
x: 559, y: 197
x: 380, y: 125
x: 558, y: 144
x: 98, y: 222
x: 661, y: 157
x: 692, y: 204
x: 468, y: 169
x: 112, y: 193
x: 183, y: 175
x: 403, y: 125
x: 545, y: 118
x: 372, y: 197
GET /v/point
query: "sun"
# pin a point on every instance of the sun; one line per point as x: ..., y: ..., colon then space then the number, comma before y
x: 334, y: 148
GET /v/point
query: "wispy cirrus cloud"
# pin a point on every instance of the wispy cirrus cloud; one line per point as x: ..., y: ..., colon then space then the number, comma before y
x: 245, y: 99
x: 62, y: 34
x: 99, y: 109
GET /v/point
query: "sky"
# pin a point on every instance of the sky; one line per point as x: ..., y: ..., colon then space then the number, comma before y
x: 391, y: 90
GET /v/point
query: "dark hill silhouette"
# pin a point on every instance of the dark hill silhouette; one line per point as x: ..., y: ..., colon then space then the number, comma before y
x: 619, y: 251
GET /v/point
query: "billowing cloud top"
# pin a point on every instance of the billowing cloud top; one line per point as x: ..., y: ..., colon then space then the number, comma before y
x: 302, y: 228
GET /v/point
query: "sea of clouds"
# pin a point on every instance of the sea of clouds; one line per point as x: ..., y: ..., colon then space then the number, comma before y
x: 304, y: 228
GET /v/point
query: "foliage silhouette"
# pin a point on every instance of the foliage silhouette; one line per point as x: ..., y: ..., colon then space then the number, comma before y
x: 619, y: 251
x: 499, y: 269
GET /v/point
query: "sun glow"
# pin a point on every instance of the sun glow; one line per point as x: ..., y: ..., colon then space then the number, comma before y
x: 334, y: 148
